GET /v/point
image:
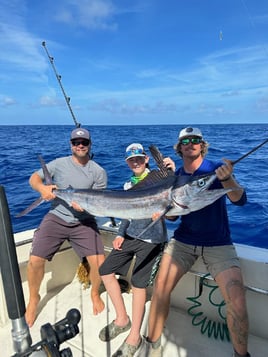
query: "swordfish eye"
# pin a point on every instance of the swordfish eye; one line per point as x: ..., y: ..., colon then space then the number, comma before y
x: 201, y: 182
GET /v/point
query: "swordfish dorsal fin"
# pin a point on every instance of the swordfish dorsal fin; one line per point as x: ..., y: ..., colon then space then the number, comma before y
x: 158, y: 158
x: 48, y: 181
x: 156, y: 176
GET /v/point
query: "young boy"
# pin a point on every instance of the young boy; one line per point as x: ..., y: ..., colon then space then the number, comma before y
x: 126, y: 245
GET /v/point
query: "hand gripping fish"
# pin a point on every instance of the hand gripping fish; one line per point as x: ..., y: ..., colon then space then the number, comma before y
x: 161, y: 191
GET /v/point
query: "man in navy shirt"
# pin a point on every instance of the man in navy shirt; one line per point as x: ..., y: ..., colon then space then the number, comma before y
x: 204, y: 233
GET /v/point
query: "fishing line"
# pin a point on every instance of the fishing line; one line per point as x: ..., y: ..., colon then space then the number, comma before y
x: 58, y: 76
x: 250, y: 18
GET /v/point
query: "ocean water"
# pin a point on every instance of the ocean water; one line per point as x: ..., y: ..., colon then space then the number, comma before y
x: 20, y: 146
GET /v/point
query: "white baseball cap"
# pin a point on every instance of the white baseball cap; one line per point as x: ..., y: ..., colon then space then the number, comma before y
x: 134, y: 150
x: 190, y: 132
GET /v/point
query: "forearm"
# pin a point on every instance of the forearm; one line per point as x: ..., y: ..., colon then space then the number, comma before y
x: 46, y: 191
x: 236, y: 194
x: 225, y: 176
x: 36, y: 182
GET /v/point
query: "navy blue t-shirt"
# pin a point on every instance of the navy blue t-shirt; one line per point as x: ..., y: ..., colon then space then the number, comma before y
x: 208, y: 226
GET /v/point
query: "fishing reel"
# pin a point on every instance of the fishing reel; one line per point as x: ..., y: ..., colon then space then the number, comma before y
x: 53, y: 336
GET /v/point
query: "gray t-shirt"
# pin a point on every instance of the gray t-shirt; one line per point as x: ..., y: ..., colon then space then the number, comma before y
x: 65, y: 172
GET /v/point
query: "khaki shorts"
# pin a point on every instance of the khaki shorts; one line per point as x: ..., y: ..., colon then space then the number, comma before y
x: 216, y: 259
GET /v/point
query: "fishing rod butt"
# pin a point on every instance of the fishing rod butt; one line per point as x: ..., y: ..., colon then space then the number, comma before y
x: 21, y: 336
x: 12, y: 280
x: 9, y: 263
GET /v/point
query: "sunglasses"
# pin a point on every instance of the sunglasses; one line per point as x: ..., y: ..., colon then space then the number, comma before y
x: 134, y: 152
x: 187, y: 141
x: 80, y: 142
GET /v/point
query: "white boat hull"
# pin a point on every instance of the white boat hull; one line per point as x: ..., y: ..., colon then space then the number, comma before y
x: 184, y: 335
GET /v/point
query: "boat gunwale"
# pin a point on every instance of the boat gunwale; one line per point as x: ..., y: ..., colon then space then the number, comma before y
x: 261, y: 256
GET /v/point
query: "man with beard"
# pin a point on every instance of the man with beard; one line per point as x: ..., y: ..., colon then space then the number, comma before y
x: 64, y: 222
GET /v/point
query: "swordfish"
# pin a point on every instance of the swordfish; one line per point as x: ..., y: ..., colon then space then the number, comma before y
x: 160, y: 192
x: 171, y: 194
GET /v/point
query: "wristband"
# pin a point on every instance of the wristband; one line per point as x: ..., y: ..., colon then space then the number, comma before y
x: 226, y: 179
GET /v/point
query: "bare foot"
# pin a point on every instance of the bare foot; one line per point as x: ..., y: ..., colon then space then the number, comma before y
x: 98, y: 304
x: 31, y: 311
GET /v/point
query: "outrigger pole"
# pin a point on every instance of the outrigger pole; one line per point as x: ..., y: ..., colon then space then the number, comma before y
x: 58, y: 76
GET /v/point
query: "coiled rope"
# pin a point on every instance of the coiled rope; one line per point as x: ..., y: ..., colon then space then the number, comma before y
x: 214, y: 329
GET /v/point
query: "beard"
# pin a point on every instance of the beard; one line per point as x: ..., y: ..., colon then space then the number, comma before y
x: 190, y: 155
x: 81, y: 154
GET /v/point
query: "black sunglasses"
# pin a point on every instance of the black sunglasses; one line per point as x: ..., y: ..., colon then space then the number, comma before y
x: 80, y: 142
x: 187, y: 141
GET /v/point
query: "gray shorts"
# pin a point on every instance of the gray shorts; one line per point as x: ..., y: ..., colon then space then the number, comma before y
x: 53, y: 231
x: 216, y: 258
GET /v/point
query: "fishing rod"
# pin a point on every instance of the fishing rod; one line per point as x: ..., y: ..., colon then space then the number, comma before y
x: 249, y: 152
x: 58, y: 76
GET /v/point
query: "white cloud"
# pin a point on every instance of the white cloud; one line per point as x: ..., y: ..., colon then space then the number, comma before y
x: 90, y: 14
x: 19, y: 49
x: 262, y: 105
x: 6, y: 101
x: 50, y: 101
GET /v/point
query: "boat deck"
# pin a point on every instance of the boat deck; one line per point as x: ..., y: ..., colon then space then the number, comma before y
x: 180, y: 337
x: 61, y: 291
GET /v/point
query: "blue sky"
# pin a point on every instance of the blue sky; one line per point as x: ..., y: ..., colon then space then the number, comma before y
x: 134, y: 61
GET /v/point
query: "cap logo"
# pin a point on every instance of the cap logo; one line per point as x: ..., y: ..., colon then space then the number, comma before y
x: 189, y: 130
x: 80, y: 132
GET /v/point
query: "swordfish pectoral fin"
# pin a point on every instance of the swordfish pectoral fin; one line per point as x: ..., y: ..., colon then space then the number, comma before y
x: 162, y: 214
x: 35, y: 204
